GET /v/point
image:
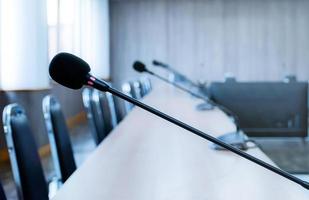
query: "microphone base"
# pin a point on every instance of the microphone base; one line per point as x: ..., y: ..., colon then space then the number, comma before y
x: 236, y: 139
x: 205, y: 106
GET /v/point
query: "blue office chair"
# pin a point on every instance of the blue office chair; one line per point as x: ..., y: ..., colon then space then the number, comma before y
x: 59, y: 139
x: 25, y: 161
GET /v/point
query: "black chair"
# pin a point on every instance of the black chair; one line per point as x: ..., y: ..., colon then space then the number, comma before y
x: 87, y: 95
x: 2, y: 194
x: 105, y: 102
x: 290, y: 78
x: 136, y: 90
x: 25, y: 160
x: 229, y: 78
x: 59, y: 139
x: 95, y: 116
x: 145, y: 85
x: 126, y: 89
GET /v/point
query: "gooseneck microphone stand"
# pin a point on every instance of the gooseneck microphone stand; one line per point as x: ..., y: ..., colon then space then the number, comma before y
x: 208, y: 106
x: 237, y: 138
x: 181, y: 76
x: 102, y: 86
x: 73, y: 72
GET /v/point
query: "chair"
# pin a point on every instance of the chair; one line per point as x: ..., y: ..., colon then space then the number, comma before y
x: 290, y: 78
x: 2, y: 194
x: 87, y: 95
x: 229, y: 78
x: 123, y: 107
x: 59, y: 139
x: 106, y: 104
x: 94, y: 115
x: 145, y: 85
x: 126, y: 89
x: 136, y: 90
x: 112, y: 108
x: 25, y: 161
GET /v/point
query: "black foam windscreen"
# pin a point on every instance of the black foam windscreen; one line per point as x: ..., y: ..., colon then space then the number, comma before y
x: 155, y: 62
x: 69, y: 70
x: 139, y: 66
x: 158, y: 63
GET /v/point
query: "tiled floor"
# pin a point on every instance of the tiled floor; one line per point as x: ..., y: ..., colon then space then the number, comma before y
x: 290, y: 154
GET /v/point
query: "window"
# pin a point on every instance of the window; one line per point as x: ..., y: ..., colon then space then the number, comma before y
x: 33, y: 31
x: 23, y: 44
x: 80, y: 27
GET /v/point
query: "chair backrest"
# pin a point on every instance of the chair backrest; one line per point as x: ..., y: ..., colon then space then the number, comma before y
x: 112, y: 108
x: 24, y: 157
x: 94, y: 115
x: 229, y: 77
x: 290, y: 78
x: 126, y: 88
x: 136, y: 90
x: 107, y: 106
x: 59, y: 139
x: 145, y: 85
x: 87, y: 95
x: 2, y: 194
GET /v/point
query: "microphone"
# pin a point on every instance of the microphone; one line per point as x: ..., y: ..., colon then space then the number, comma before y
x: 72, y: 72
x: 158, y: 63
x: 178, y: 74
x: 141, y: 67
x: 237, y: 138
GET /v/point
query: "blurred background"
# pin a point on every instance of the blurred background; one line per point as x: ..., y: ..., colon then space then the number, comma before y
x: 208, y: 40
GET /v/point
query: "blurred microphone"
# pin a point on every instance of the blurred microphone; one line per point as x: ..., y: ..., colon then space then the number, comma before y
x: 158, y: 63
x: 141, y: 67
x: 180, y: 76
x: 237, y: 138
x: 72, y: 72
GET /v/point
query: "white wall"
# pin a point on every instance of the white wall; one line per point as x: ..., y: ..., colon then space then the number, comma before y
x: 253, y: 39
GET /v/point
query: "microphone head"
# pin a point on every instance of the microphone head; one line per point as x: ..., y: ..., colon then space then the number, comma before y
x: 139, y: 66
x: 160, y: 64
x: 157, y: 63
x: 69, y: 70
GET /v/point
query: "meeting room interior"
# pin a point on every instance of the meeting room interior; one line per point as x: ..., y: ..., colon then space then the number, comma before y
x: 154, y: 99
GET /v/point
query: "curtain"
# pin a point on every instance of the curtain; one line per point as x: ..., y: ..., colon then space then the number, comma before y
x: 23, y: 44
x: 29, y: 39
x: 82, y: 28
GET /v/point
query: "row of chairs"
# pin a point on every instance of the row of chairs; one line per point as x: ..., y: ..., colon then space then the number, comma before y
x: 104, y: 113
x: 25, y: 161
x: 136, y: 89
x: 101, y: 113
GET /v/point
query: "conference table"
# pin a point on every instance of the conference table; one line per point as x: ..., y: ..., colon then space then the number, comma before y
x: 147, y: 158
